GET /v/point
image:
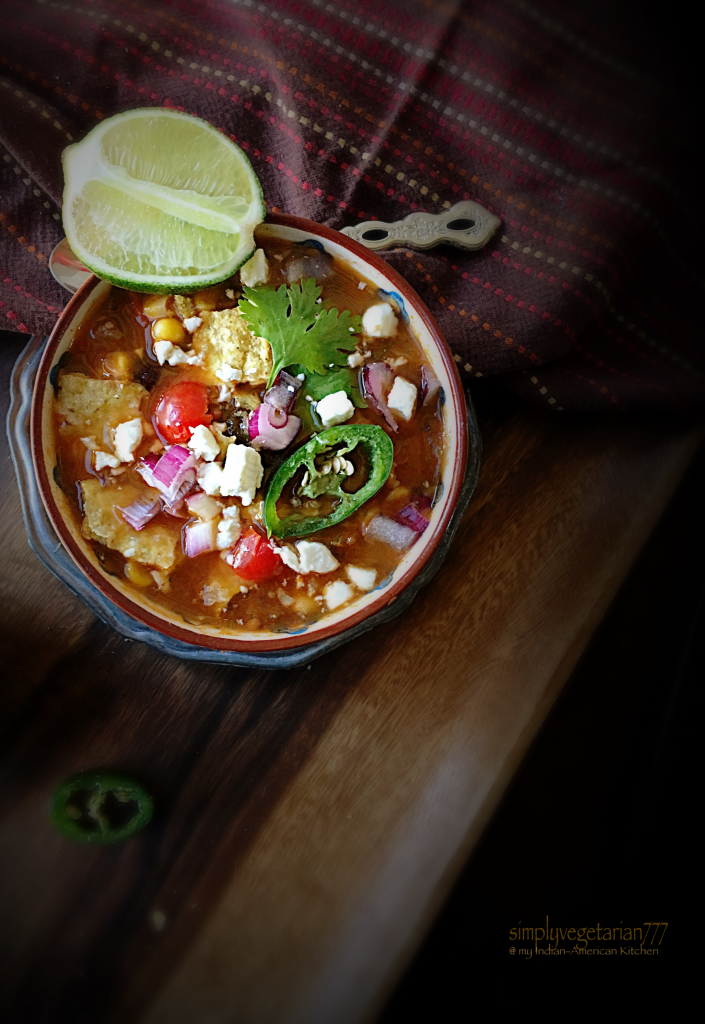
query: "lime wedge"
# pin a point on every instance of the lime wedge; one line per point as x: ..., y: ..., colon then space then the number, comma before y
x: 159, y: 201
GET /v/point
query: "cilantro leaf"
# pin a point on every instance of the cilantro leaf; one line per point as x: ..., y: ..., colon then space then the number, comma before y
x: 318, y: 386
x: 298, y: 329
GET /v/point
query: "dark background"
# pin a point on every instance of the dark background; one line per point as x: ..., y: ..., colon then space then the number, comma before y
x: 600, y: 823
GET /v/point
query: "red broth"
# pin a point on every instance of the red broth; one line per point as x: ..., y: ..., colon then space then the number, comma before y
x: 116, y: 343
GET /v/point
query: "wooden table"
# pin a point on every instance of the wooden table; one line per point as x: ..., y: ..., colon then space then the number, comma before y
x: 310, y: 822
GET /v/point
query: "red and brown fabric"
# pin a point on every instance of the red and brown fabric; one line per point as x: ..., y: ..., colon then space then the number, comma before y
x: 589, y: 295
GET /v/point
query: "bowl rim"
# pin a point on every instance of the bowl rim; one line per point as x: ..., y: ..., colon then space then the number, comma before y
x: 282, y: 641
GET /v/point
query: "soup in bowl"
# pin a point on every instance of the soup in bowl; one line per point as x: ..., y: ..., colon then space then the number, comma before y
x: 260, y: 465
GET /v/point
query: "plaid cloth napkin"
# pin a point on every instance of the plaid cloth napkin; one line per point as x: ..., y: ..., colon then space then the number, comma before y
x: 587, y: 297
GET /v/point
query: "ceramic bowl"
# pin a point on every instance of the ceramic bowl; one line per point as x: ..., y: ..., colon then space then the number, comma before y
x: 364, y: 611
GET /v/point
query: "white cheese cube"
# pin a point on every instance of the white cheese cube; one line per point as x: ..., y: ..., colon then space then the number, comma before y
x: 126, y: 437
x: 364, y: 579
x: 379, y: 321
x: 315, y: 557
x: 242, y: 473
x: 210, y: 477
x: 337, y: 593
x: 335, y: 408
x: 229, y: 528
x: 203, y: 444
x: 402, y: 397
x: 227, y: 373
x: 256, y: 270
x: 192, y: 323
x: 103, y: 459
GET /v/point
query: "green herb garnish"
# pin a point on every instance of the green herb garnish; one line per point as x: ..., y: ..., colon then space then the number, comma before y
x: 299, y: 329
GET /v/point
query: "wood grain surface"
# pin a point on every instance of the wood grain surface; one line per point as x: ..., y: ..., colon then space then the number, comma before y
x: 308, y: 822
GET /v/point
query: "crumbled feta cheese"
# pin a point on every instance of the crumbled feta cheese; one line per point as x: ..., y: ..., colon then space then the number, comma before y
x: 315, y: 557
x: 256, y: 270
x: 229, y: 528
x: 203, y: 444
x: 192, y: 323
x: 337, y: 593
x: 361, y: 285
x: 126, y: 437
x: 379, y: 321
x: 162, y: 350
x: 229, y: 294
x: 402, y: 397
x: 286, y: 599
x: 364, y: 579
x: 165, y: 352
x: 225, y: 393
x: 242, y: 473
x: 289, y: 558
x: 210, y: 477
x: 356, y: 359
x: 162, y: 580
x: 103, y: 459
x: 90, y: 442
x: 312, y: 557
x: 227, y: 372
x: 335, y: 408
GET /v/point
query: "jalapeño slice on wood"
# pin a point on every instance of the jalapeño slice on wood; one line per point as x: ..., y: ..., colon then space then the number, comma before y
x: 100, y: 807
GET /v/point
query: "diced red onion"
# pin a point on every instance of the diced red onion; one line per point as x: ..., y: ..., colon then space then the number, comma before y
x: 175, y: 505
x: 266, y: 434
x: 147, y: 466
x: 411, y: 516
x: 377, y: 381
x: 140, y: 512
x: 172, y: 471
x: 201, y: 537
x: 202, y: 505
x: 430, y: 384
x: 396, y: 535
x: 283, y: 395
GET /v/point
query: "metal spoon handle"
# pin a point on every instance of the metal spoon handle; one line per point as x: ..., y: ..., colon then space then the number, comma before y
x: 466, y: 225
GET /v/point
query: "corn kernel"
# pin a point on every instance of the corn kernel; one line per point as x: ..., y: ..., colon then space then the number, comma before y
x: 168, y: 328
x: 118, y: 365
x: 138, y: 574
x: 157, y: 305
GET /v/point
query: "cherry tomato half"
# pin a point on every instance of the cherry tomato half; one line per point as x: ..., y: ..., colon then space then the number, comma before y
x: 254, y: 558
x: 181, y: 406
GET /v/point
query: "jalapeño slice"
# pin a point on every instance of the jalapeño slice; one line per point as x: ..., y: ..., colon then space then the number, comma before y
x: 100, y: 807
x: 335, y: 441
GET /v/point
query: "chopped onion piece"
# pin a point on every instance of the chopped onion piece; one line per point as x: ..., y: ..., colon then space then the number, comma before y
x: 175, y: 506
x: 411, y: 516
x: 175, y: 468
x: 396, y: 535
x: 202, y: 505
x: 430, y: 384
x: 201, y: 537
x: 266, y: 434
x: 140, y: 512
x: 147, y: 466
x: 377, y: 381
